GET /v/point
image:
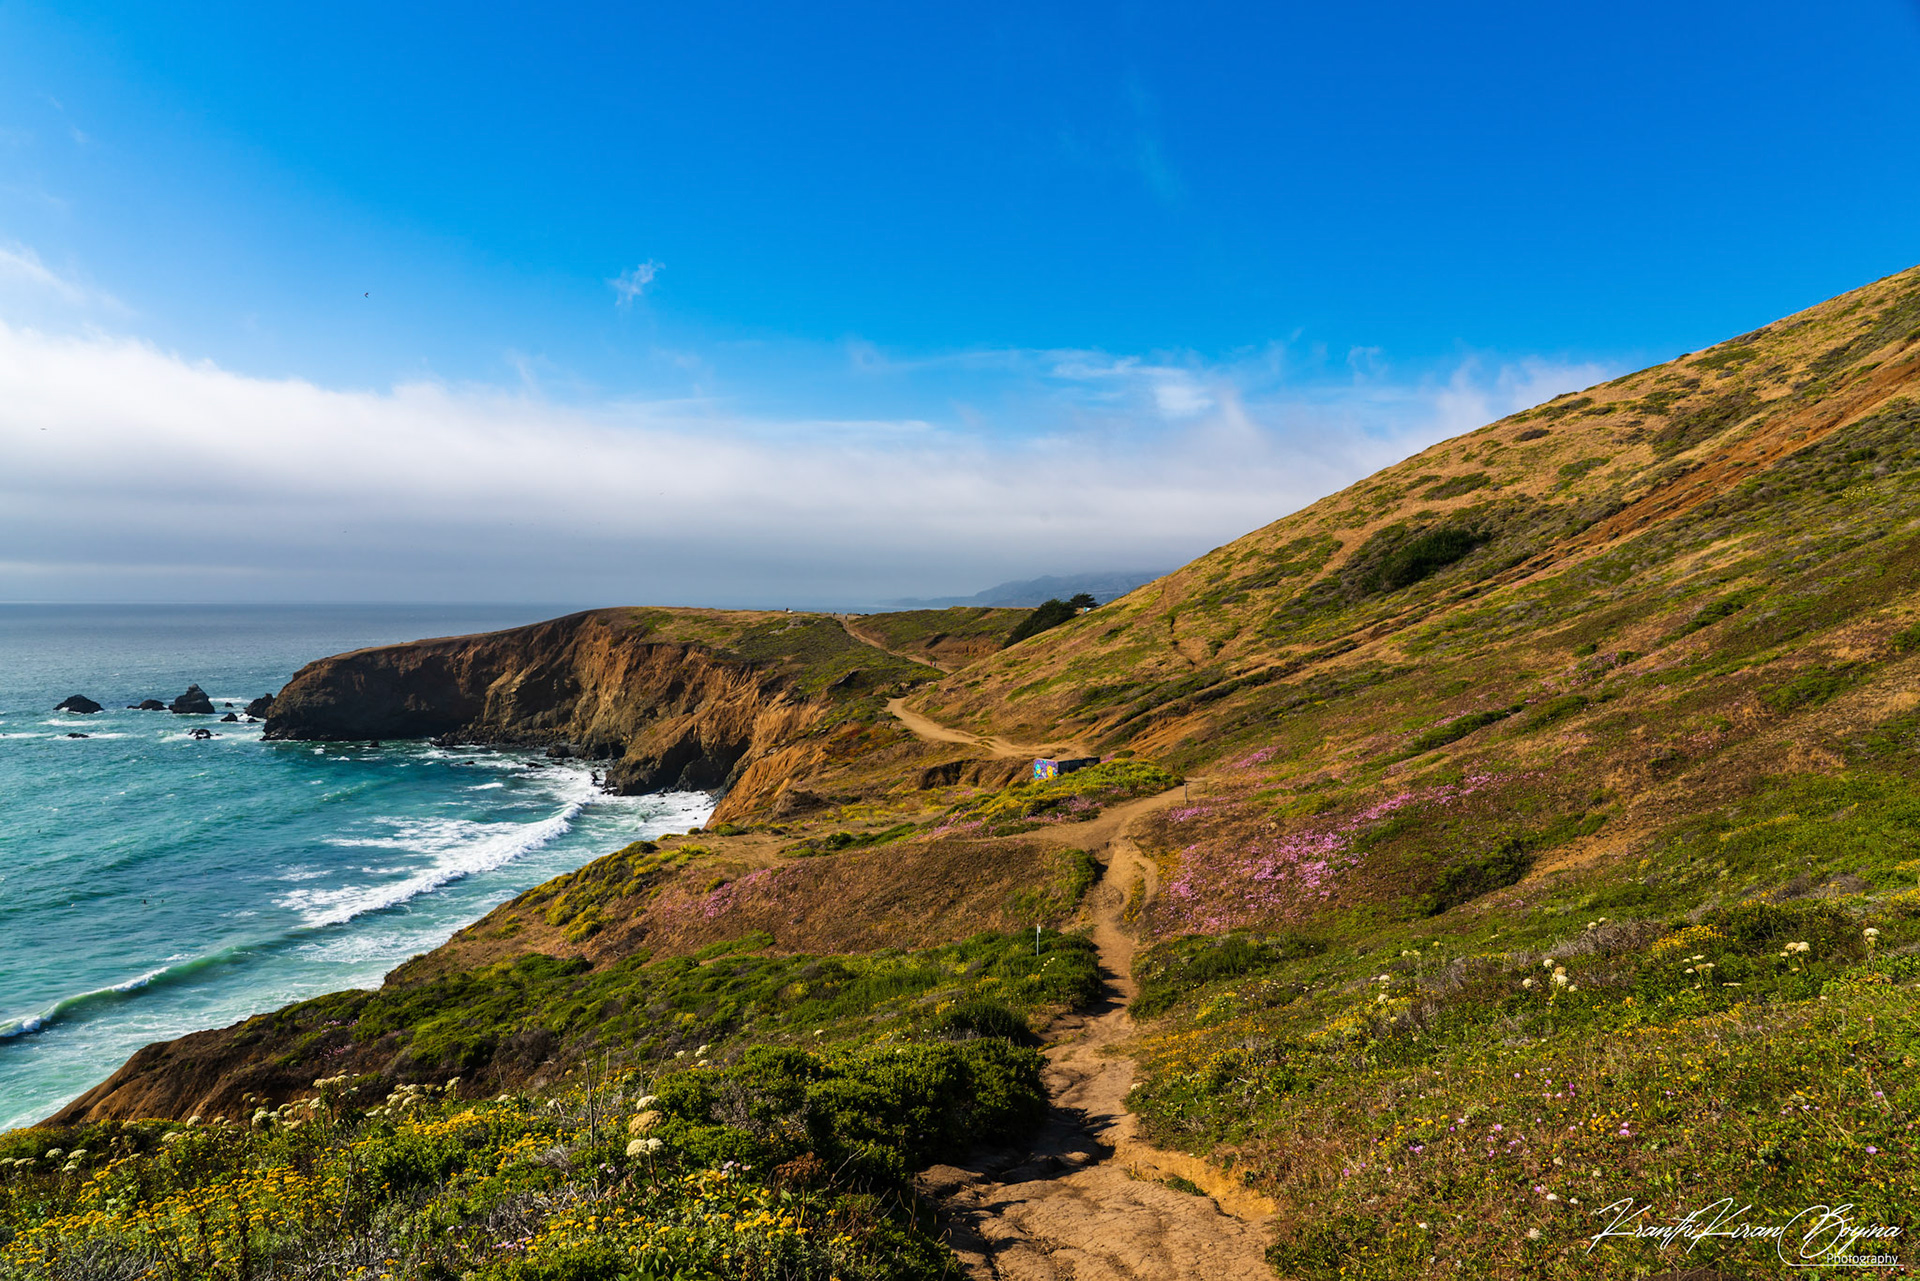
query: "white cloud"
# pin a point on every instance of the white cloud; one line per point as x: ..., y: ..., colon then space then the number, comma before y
x: 1178, y: 395
x: 631, y: 284
x: 133, y: 473
x: 22, y: 271
x: 22, y: 265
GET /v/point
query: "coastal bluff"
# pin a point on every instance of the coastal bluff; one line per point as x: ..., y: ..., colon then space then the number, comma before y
x: 722, y: 701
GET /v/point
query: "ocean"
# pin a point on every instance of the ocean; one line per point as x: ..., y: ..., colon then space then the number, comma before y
x: 153, y: 884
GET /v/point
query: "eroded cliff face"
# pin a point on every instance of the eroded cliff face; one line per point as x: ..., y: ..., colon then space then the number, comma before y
x: 664, y: 714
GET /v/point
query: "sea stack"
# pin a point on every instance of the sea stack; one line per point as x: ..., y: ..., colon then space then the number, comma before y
x: 260, y: 706
x: 192, y: 703
x: 77, y: 703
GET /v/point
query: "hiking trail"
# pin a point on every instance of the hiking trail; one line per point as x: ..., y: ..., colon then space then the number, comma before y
x: 1086, y: 1199
x: 933, y: 731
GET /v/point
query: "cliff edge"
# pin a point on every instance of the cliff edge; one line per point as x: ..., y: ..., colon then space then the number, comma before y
x: 671, y: 699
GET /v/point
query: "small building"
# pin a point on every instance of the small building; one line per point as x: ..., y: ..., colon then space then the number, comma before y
x: 1044, y: 768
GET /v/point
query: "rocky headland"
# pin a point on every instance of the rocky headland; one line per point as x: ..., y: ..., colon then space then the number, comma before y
x: 730, y: 702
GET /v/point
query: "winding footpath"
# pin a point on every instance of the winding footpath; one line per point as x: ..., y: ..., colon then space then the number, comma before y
x: 933, y: 731
x: 1087, y: 1199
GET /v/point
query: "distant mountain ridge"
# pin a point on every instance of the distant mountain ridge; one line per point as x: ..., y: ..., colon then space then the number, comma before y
x: 1033, y: 591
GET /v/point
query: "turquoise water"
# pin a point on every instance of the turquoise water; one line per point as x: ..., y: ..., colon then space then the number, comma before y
x: 152, y: 884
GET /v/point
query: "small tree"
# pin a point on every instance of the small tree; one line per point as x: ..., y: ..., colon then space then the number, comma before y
x: 1050, y: 614
x: 1083, y: 601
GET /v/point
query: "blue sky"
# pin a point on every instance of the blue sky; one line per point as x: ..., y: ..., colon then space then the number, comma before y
x: 813, y: 304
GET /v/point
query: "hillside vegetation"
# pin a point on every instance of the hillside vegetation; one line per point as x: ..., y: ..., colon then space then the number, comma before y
x: 1526, y: 829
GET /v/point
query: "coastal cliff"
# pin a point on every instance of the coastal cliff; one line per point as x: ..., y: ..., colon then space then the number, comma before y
x: 697, y: 700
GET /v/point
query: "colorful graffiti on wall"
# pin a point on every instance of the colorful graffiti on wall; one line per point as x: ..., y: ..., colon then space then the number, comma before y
x: 1044, y: 768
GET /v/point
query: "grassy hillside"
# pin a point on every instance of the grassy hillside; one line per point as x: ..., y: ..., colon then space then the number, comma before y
x: 945, y: 638
x: 1651, y: 497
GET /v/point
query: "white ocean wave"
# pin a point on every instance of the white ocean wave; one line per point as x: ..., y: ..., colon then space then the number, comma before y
x: 34, y: 1022
x: 454, y: 848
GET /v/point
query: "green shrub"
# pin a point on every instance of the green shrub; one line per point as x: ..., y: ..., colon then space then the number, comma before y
x: 1457, y: 728
x: 1425, y: 554
x: 1714, y: 611
x: 571, y: 1263
x: 1760, y: 925
x: 837, y: 841
x: 1455, y: 486
x: 1049, y: 615
x: 875, y: 1114
x: 1471, y: 876
x: 1555, y: 709
x: 1810, y: 689
x: 1173, y: 969
x: 981, y: 1017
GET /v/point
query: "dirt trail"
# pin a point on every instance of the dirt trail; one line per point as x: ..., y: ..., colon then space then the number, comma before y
x: 879, y: 642
x: 934, y: 732
x: 1085, y: 1200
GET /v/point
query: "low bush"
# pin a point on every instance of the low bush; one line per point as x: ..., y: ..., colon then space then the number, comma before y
x: 980, y: 1017
x: 1458, y: 728
x: 1481, y: 872
x: 788, y: 1165
x: 873, y: 1116
x: 1170, y: 971
x: 1048, y: 616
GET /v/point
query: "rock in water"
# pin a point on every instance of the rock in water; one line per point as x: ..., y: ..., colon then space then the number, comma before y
x: 260, y: 706
x: 200, y: 732
x: 75, y: 734
x: 78, y: 703
x: 192, y: 703
x: 150, y: 705
x: 230, y: 716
